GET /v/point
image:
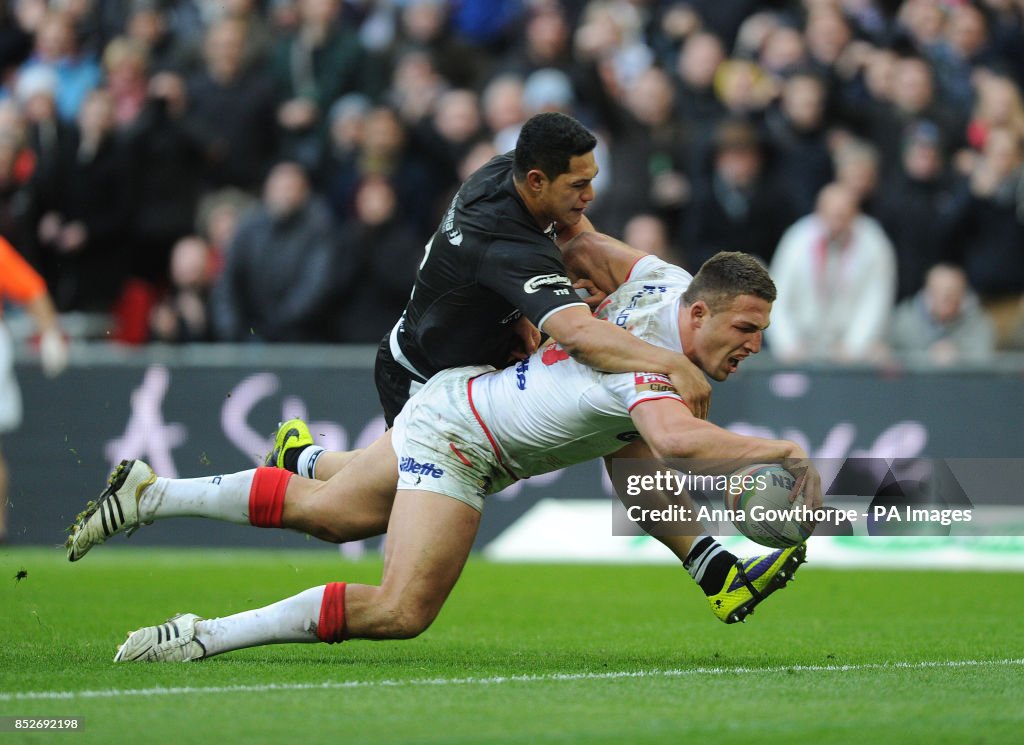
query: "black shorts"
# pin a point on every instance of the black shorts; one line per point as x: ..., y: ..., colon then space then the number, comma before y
x: 393, y: 382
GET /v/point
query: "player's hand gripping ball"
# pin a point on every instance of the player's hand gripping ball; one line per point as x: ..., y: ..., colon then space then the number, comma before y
x: 758, y: 497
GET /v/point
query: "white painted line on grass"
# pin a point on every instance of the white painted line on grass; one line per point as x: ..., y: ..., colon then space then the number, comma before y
x: 331, y: 685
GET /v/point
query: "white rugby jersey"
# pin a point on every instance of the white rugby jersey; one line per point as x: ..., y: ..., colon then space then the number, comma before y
x: 550, y: 411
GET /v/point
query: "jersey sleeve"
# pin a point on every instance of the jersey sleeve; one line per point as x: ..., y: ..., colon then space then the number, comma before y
x: 529, y: 277
x: 650, y: 267
x: 632, y: 389
x: 18, y: 280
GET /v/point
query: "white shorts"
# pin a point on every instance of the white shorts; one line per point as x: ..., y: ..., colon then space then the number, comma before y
x: 442, y: 447
x: 10, y: 395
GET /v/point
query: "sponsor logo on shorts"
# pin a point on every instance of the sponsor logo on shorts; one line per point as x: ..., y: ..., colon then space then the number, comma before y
x: 521, y: 369
x: 408, y: 464
x: 628, y: 436
x: 653, y: 383
x: 534, y: 284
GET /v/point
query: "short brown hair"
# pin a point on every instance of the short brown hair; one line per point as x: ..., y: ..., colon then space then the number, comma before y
x: 725, y: 276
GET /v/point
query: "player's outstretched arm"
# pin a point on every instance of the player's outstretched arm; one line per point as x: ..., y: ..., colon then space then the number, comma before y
x: 605, y: 346
x: 604, y: 260
x: 671, y: 431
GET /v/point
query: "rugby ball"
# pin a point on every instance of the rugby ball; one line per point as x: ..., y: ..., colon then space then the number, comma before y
x: 757, y: 498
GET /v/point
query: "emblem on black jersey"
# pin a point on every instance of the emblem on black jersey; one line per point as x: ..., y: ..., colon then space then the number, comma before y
x: 451, y: 231
x: 534, y: 284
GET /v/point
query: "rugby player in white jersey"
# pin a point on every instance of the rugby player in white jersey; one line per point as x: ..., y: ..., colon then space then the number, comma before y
x: 469, y: 433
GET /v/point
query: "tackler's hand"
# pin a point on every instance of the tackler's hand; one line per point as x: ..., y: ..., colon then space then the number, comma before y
x: 691, y: 383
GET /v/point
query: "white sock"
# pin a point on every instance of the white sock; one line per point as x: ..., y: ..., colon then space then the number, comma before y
x: 306, y: 465
x: 290, y: 620
x: 223, y: 497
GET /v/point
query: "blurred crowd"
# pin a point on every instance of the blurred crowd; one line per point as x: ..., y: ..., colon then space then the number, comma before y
x: 270, y: 170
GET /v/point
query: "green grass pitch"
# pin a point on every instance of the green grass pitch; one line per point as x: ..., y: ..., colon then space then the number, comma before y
x: 520, y: 654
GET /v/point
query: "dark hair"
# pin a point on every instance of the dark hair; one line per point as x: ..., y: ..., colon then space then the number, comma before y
x: 736, y: 134
x: 727, y: 275
x: 548, y: 142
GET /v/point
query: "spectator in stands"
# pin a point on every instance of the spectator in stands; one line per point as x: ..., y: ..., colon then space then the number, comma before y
x: 783, y: 52
x: 673, y: 25
x: 724, y: 19
x: 425, y: 25
x: 85, y: 208
x: 836, y: 276
x: 991, y: 233
x: 649, y: 233
x: 923, y: 21
x: 547, y: 89
x: 744, y: 89
x: 17, y: 26
x: 697, y: 105
x: 46, y: 133
x: 380, y: 255
x: 1006, y: 32
x: 259, y: 40
x: 857, y: 167
x: 609, y: 40
x: 125, y: 66
x: 147, y: 25
x: 964, y: 45
x: 323, y: 60
x: 18, y: 187
x: 754, y: 32
x: 796, y: 130
x: 943, y: 321
x: 279, y: 278
x: 56, y: 48
x: 486, y: 23
x: 218, y: 215
x: 181, y: 316
x: 346, y: 129
x: 647, y: 156
x: 166, y: 177
x: 446, y: 136
x: 19, y: 283
x: 828, y: 33
x: 998, y: 105
x: 232, y: 111
x: 19, y: 167
x: 736, y: 206
x: 546, y: 42
x: 385, y: 151
x: 503, y: 108
x: 917, y: 207
x: 913, y: 98
x: 415, y: 87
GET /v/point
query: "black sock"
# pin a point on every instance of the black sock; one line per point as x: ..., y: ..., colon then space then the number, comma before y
x: 291, y: 458
x: 709, y: 564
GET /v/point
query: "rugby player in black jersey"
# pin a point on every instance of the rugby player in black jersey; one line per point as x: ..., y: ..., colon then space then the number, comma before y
x: 491, y: 276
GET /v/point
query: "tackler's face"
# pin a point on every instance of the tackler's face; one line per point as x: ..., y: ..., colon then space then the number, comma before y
x: 565, y: 198
x: 723, y: 339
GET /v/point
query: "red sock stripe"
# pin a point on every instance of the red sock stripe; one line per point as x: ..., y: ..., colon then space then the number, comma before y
x: 331, y: 628
x: 266, y: 496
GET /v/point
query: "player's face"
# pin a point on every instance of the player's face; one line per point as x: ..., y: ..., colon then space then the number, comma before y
x: 724, y: 339
x: 565, y: 198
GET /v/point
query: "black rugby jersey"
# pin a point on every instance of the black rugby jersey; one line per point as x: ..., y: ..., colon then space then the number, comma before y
x: 487, y: 264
